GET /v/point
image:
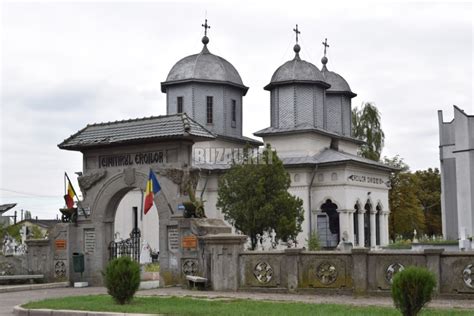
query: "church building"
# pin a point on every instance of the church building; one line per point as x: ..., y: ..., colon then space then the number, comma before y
x: 345, y: 196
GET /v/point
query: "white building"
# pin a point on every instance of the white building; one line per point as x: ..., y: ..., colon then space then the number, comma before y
x: 344, y: 196
x: 456, y: 150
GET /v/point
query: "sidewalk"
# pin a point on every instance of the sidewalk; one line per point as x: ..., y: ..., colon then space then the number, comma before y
x: 9, y: 300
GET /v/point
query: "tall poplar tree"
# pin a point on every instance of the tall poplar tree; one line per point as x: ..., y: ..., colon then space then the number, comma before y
x: 366, y: 126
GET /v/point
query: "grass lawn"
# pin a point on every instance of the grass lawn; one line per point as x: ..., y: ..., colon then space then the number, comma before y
x: 194, y: 306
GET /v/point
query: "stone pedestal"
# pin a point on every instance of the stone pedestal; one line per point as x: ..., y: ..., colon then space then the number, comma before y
x: 220, y: 260
x: 433, y: 263
x: 359, y: 272
x: 291, y: 261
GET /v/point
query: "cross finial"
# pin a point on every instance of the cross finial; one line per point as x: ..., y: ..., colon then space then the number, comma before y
x: 326, y: 45
x: 297, y: 32
x: 205, y: 26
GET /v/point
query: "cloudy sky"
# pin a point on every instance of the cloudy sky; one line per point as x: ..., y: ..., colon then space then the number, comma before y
x: 67, y: 64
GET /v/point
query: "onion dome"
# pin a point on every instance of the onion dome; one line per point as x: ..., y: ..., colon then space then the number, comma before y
x: 297, y: 71
x: 338, y: 84
x: 204, y: 67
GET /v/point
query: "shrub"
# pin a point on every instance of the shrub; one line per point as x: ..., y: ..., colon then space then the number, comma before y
x: 122, y: 279
x: 412, y: 289
x: 313, y: 242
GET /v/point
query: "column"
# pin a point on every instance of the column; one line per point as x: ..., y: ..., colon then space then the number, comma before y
x: 372, y: 229
x: 351, y: 227
x: 342, y: 223
x: 385, y: 219
x: 361, y: 228
x: 382, y: 228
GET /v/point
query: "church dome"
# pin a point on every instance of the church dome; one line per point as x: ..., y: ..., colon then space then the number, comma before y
x: 204, y: 67
x: 337, y: 82
x: 297, y: 71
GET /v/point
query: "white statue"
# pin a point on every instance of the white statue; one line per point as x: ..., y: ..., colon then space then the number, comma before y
x: 145, y: 256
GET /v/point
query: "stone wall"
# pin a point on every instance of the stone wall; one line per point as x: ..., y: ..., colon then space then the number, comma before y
x: 358, y: 272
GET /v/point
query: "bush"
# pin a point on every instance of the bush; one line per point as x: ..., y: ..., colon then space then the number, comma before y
x: 412, y: 289
x: 122, y: 279
x: 313, y: 242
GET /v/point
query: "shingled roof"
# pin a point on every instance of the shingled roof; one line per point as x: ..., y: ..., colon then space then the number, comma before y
x: 135, y: 130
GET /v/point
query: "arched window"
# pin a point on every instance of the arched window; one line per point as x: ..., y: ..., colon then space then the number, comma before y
x: 378, y: 208
x: 356, y: 221
x: 368, y: 209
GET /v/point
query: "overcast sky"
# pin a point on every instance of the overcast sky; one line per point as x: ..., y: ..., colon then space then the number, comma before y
x: 67, y: 64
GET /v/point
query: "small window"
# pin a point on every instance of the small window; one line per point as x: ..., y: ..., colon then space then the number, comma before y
x: 209, y: 110
x: 180, y: 105
x: 234, y: 111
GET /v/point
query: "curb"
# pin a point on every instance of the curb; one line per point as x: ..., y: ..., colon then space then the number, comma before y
x: 20, y: 311
x: 27, y: 287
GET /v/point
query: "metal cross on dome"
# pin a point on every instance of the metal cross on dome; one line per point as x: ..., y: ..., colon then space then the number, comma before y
x: 297, y: 32
x: 205, y: 26
x: 326, y: 45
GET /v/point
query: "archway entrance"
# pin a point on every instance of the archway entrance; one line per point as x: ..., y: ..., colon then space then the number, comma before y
x: 328, y: 225
x: 135, y: 234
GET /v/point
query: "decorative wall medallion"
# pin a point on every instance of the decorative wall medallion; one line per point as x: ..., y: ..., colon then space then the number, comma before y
x: 392, y: 269
x: 321, y: 177
x: 326, y: 273
x: 189, y: 267
x: 129, y: 176
x: 334, y: 176
x: 467, y: 275
x: 263, y: 272
x: 59, y: 269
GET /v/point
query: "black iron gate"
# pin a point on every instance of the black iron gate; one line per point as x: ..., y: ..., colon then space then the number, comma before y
x: 128, y: 247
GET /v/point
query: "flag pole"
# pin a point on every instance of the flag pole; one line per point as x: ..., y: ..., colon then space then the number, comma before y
x: 75, y: 194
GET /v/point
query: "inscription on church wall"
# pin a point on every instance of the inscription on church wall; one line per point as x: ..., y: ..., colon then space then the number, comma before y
x: 173, y: 238
x: 365, y: 179
x: 89, y: 240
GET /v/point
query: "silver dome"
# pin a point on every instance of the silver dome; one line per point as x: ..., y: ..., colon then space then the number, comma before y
x: 203, y: 67
x: 296, y: 71
x: 337, y: 82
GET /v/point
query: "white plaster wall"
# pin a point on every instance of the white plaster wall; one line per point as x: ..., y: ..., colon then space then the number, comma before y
x: 148, y: 224
x: 348, y: 147
x: 296, y: 145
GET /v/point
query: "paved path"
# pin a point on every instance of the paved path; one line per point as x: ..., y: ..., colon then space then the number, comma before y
x: 9, y: 300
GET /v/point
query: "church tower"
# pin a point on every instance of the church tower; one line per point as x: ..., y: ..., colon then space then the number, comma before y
x: 297, y: 90
x: 338, y: 100
x: 209, y: 89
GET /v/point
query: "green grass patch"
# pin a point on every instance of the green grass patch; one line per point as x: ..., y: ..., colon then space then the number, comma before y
x: 221, y: 306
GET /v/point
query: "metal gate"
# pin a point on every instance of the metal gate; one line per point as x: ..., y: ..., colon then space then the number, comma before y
x: 129, y: 247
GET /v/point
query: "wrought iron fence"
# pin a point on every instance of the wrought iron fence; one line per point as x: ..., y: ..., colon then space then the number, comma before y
x: 128, y: 247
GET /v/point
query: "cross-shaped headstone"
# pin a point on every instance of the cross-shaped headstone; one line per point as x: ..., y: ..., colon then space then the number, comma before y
x: 326, y: 45
x: 205, y: 26
x: 297, y: 32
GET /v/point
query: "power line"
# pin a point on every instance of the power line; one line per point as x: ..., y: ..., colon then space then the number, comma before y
x: 30, y: 194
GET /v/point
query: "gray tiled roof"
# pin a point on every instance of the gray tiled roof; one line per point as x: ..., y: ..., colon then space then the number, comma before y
x: 241, y: 139
x: 133, y: 130
x: 331, y: 156
x: 327, y: 156
x: 6, y: 207
x: 303, y: 128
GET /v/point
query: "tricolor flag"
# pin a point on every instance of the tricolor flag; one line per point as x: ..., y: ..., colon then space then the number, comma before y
x: 152, y: 187
x: 70, y: 193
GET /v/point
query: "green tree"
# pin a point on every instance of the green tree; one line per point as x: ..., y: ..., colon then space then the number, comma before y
x: 429, y: 194
x: 406, y: 211
x: 36, y: 233
x: 367, y: 127
x: 253, y: 197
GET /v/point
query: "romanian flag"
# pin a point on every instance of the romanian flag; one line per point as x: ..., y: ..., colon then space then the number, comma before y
x: 152, y: 187
x: 69, y: 196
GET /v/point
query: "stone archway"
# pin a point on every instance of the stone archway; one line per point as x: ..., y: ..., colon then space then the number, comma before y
x: 98, y: 229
